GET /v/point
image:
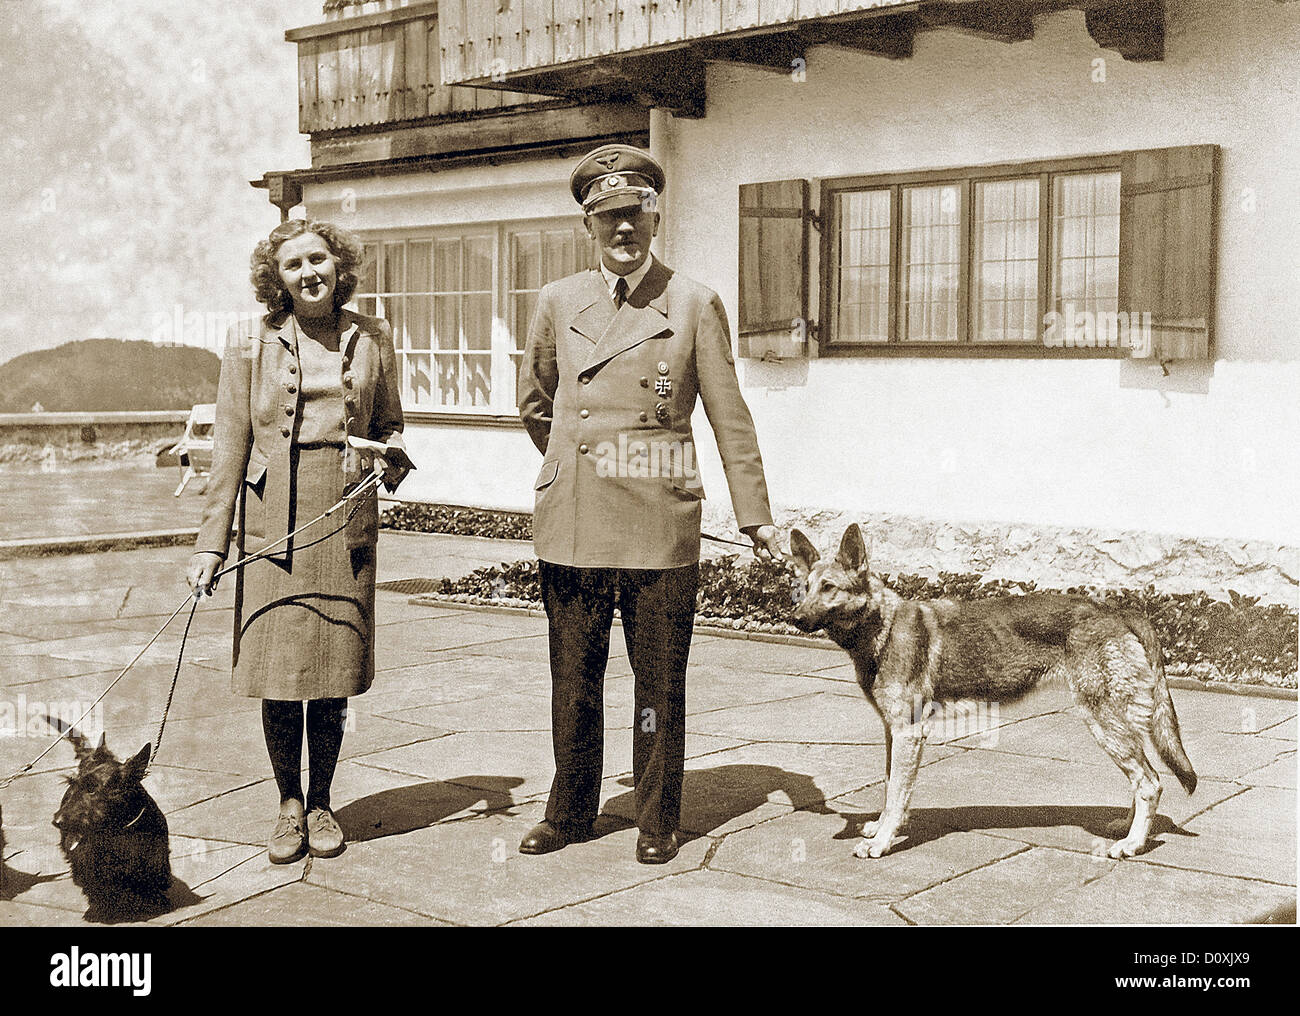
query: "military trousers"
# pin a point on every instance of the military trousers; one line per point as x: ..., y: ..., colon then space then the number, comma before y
x: 657, y: 607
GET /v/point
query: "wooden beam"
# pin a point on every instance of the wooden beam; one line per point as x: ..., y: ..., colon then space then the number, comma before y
x: 1133, y: 28
x: 890, y: 36
x: 775, y: 51
x: 999, y: 20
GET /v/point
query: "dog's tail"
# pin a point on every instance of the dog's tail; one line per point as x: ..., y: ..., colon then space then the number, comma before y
x: 1164, y: 720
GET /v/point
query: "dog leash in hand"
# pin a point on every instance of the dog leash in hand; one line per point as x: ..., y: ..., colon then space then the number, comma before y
x: 193, y: 599
x: 364, y: 488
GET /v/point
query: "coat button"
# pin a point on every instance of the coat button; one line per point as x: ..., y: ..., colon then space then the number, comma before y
x: 644, y: 417
x: 291, y: 389
x: 293, y: 368
x: 288, y: 410
x: 584, y: 414
x: 582, y: 449
x: 347, y: 380
x: 284, y: 431
x: 645, y: 382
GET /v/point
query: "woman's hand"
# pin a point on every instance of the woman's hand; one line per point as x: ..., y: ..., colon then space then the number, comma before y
x: 203, y: 566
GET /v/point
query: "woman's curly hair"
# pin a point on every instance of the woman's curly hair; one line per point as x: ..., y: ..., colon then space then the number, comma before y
x: 345, y: 247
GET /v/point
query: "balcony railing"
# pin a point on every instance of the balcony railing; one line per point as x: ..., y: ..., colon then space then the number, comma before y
x: 380, y: 68
x: 656, y: 48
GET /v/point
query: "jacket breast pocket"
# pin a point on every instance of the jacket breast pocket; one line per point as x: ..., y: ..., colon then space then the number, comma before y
x: 254, y: 492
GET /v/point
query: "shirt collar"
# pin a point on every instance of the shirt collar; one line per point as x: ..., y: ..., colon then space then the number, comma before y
x: 633, y: 279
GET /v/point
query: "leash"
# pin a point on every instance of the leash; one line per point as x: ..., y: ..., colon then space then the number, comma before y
x: 193, y: 599
x: 718, y: 539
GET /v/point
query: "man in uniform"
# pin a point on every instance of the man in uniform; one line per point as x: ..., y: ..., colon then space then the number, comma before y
x: 614, y: 362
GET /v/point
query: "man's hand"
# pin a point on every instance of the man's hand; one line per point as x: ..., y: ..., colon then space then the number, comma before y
x: 203, y: 566
x: 767, y: 542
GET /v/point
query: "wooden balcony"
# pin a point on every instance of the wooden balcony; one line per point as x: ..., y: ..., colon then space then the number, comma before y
x: 381, y: 68
x: 655, y: 51
x: 371, y: 90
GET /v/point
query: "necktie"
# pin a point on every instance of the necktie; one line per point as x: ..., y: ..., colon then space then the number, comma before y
x: 620, y: 292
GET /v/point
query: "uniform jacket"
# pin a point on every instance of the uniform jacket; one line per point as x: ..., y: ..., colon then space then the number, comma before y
x: 619, y: 484
x: 257, y: 409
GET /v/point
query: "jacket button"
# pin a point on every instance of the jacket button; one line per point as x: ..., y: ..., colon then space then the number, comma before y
x: 347, y: 380
x: 288, y: 410
x: 584, y: 414
x: 644, y: 417
x: 645, y: 382
x: 291, y: 389
x: 284, y: 431
x: 293, y: 368
x: 582, y: 449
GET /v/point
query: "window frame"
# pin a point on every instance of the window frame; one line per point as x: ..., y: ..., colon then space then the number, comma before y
x: 964, y: 178
x: 501, y: 348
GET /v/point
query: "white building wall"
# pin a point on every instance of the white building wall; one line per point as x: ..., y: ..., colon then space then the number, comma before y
x: 1209, y: 451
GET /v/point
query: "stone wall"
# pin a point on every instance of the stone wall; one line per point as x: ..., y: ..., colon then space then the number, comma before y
x: 1051, y: 557
x: 52, y: 438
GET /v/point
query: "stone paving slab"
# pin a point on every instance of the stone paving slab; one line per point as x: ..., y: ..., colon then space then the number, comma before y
x: 720, y: 898
x: 1064, y: 736
x: 815, y: 850
x: 1040, y: 801
x: 308, y: 905
x: 478, y: 876
x: 448, y: 764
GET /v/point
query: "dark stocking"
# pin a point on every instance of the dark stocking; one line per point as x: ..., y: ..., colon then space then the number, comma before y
x: 325, y: 720
x: 282, y: 725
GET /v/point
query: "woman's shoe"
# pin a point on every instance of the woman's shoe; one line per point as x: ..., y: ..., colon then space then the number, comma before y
x: 289, y: 841
x: 324, y: 837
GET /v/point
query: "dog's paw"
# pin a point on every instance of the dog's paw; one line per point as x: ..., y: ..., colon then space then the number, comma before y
x: 869, y: 829
x: 874, y: 846
x: 1129, y: 847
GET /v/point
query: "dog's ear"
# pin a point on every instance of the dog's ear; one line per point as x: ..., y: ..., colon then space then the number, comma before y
x: 75, y: 738
x: 133, y: 770
x: 853, y: 552
x: 803, y: 555
x: 102, y: 754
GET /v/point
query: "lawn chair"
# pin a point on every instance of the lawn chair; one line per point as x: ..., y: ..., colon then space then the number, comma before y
x: 194, y: 449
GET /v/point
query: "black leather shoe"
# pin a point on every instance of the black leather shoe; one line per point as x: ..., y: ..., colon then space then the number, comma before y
x: 546, y: 836
x: 652, y: 849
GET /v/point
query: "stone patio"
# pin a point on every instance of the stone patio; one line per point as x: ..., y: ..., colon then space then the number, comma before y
x: 449, y: 763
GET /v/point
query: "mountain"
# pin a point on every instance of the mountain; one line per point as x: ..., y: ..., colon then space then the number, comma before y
x: 106, y: 375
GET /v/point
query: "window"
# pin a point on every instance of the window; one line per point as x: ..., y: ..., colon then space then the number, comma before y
x: 957, y: 258
x: 1109, y: 252
x: 460, y: 301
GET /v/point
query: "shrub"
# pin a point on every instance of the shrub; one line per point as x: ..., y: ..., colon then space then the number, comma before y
x: 1234, y: 639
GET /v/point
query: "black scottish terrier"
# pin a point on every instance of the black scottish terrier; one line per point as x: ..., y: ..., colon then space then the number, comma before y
x: 113, y: 834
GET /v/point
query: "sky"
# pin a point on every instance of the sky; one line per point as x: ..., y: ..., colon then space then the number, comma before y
x: 133, y: 128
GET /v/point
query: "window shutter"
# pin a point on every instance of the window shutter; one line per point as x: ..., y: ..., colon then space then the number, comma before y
x: 774, y: 221
x: 1167, y: 250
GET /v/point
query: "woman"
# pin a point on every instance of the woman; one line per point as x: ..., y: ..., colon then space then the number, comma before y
x: 304, y: 396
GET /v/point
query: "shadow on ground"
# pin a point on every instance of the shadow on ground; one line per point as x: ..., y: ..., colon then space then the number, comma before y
x: 1104, y: 822
x: 420, y: 805
x: 713, y: 797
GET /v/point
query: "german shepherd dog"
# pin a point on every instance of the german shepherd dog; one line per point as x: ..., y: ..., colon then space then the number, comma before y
x: 910, y: 654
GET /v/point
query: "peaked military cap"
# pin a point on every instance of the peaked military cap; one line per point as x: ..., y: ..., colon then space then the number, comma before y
x: 615, y: 176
